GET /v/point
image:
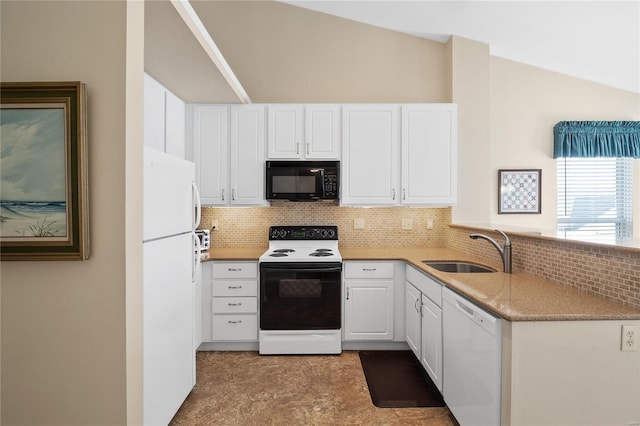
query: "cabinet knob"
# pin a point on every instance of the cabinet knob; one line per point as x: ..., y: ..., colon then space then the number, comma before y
x: 368, y: 269
x: 235, y: 287
x: 234, y: 269
x: 347, y: 293
x: 234, y: 322
x: 298, y: 148
x: 394, y: 193
x: 404, y: 194
x: 222, y: 194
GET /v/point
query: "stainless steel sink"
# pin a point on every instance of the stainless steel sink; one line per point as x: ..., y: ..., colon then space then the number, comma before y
x: 457, y: 266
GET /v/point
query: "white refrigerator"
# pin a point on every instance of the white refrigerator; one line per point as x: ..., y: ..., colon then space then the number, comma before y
x: 171, y: 259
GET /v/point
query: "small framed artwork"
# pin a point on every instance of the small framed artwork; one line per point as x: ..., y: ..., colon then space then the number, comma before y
x: 519, y: 191
x: 43, y: 171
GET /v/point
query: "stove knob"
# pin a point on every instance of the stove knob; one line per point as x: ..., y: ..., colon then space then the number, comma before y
x: 332, y: 233
x: 324, y: 233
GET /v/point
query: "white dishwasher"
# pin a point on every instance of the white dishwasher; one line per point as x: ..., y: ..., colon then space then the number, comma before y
x: 472, y: 340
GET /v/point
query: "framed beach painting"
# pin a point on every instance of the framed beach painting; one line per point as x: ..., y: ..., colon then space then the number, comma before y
x: 43, y: 171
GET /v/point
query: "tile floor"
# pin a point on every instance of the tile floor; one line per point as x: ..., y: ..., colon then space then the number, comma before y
x: 244, y: 388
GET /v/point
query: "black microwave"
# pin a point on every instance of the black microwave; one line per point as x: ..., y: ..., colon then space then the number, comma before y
x: 302, y: 180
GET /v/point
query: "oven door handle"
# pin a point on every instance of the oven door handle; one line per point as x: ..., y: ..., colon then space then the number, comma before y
x: 289, y: 267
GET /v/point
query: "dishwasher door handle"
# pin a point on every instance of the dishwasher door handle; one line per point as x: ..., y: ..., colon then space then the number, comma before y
x: 464, y: 308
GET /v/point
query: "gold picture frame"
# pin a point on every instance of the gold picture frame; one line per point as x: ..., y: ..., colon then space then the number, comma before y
x: 43, y: 171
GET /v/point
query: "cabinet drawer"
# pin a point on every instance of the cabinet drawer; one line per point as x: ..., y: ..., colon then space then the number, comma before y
x: 235, y: 270
x: 427, y: 286
x: 234, y: 327
x: 368, y: 270
x: 234, y: 305
x: 234, y: 288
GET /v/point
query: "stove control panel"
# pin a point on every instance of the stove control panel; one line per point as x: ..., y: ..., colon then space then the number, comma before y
x: 303, y: 233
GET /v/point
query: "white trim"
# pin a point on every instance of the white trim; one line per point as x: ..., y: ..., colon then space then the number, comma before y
x: 190, y: 17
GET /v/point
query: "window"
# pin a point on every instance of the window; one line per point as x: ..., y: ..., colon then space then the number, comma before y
x: 595, y: 198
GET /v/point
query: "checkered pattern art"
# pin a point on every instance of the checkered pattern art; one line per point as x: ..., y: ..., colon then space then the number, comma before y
x: 519, y: 191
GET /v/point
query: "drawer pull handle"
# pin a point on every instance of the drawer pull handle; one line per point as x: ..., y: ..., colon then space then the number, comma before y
x: 235, y: 287
x: 369, y: 269
x: 234, y: 269
x: 234, y: 322
x: 234, y: 304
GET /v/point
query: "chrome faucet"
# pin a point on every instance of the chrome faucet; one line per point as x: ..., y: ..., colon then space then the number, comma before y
x: 505, y: 252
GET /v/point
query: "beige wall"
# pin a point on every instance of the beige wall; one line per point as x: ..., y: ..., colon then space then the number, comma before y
x: 470, y: 89
x: 526, y: 102
x: 601, y: 387
x: 283, y: 53
x: 63, y: 323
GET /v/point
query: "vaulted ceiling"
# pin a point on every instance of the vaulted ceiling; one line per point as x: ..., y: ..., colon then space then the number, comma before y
x: 593, y: 40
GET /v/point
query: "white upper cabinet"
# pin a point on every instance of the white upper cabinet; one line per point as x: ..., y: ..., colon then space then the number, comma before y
x: 247, y: 155
x: 370, y: 155
x: 164, y: 119
x: 174, y: 126
x: 322, y: 131
x: 210, y: 152
x: 228, y: 150
x: 286, y: 133
x: 429, y: 154
x: 153, y: 113
x: 303, y: 131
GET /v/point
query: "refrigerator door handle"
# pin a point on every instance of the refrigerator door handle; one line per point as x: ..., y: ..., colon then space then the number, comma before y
x: 198, y: 205
x: 198, y: 262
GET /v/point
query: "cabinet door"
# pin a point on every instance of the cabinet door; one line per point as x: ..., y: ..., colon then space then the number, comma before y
x: 431, y: 358
x: 370, y: 155
x: 154, y: 94
x: 322, y: 131
x: 429, y: 154
x: 175, y: 114
x: 247, y: 155
x: 207, y: 294
x: 197, y: 306
x: 369, y: 310
x: 210, y: 155
x: 285, y: 131
x: 413, y: 320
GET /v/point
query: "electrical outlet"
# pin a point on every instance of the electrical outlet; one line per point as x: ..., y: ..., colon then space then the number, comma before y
x: 429, y: 223
x: 358, y: 223
x: 407, y: 223
x: 214, y: 225
x: 629, y: 338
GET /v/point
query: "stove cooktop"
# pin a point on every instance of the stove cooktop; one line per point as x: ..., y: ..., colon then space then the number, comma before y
x: 302, y: 244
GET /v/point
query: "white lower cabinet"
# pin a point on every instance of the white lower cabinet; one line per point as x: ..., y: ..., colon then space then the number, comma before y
x: 368, y: 301
x: 233, y: 302
x: 423, y: 321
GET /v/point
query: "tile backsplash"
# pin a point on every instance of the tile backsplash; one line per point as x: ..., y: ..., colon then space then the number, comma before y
x: 249, y: 227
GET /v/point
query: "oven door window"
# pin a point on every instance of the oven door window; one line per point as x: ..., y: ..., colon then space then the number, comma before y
x: 299, y: 296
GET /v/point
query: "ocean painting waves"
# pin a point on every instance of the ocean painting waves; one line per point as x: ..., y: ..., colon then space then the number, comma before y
x: 38, y: 219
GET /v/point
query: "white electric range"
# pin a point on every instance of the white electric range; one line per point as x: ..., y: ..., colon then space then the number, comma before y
x: 301, y: 291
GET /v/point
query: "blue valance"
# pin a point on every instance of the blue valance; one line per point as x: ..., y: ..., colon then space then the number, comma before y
x: 596, y: 139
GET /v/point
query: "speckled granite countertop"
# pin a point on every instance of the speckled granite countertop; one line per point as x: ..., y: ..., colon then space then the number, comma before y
x: 516, y: 297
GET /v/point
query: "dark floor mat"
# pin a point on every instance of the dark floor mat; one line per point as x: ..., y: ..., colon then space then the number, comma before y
x: 396, y: 380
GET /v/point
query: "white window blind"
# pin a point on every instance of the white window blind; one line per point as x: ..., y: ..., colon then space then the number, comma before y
x: 595, y: 198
